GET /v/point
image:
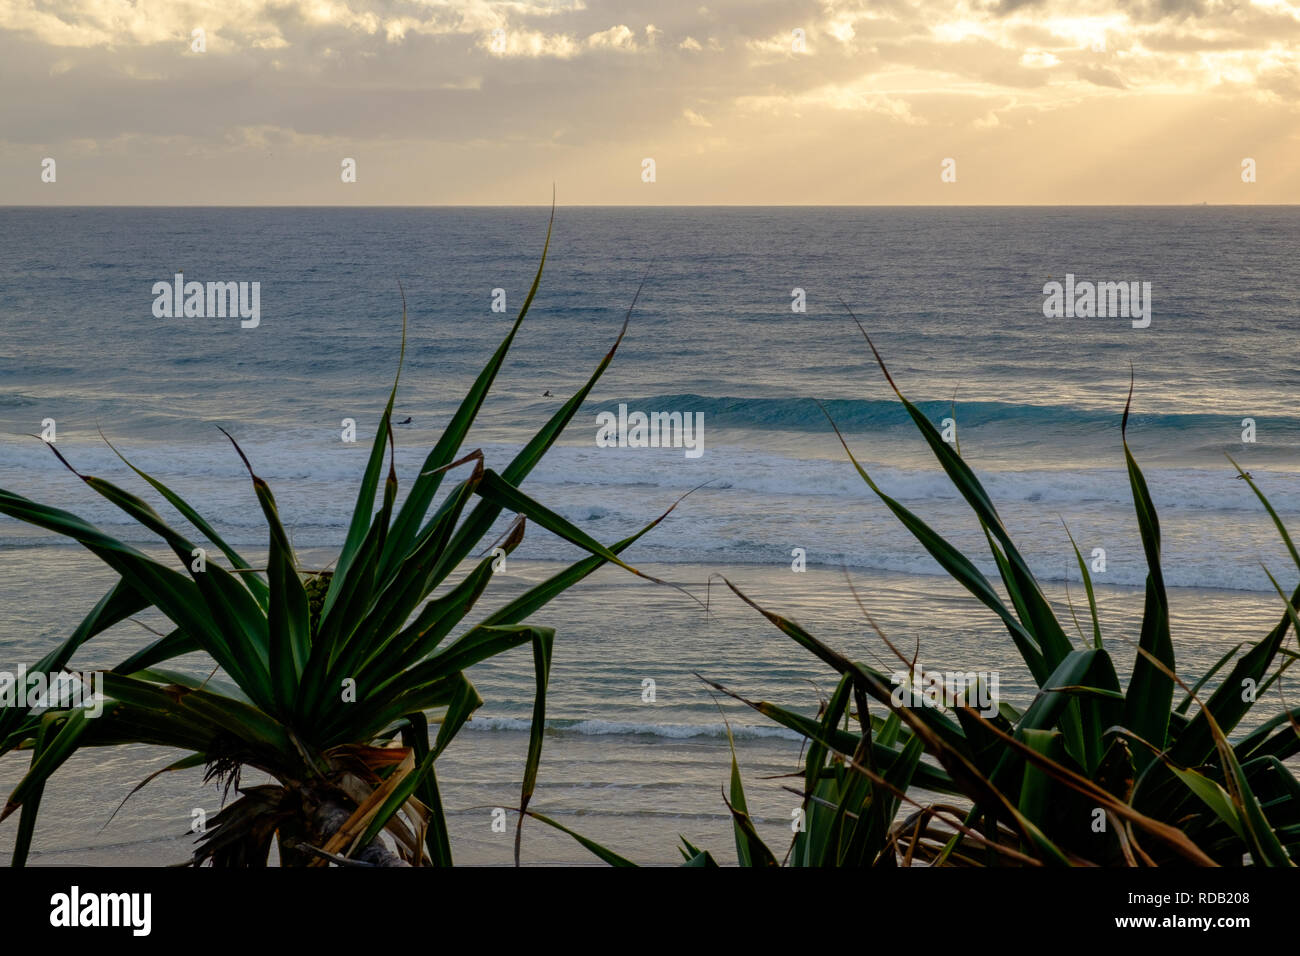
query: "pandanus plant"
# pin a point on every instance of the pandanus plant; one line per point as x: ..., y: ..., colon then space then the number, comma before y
x: 331, y: 684
x: 1091, y: 772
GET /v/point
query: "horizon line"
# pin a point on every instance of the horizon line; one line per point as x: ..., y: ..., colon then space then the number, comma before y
x: 1183, y: 205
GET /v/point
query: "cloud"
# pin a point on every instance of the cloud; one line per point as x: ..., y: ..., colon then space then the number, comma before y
x: 554, y: 83
x: 529, y: 43
x: 620, y: 37
x: 1101, y: 76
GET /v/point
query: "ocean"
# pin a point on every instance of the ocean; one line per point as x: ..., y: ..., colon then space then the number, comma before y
x: 952, y: 297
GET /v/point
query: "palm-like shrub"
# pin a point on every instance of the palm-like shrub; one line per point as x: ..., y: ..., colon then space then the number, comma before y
x: 1090, y: 773
x: 326, y: 682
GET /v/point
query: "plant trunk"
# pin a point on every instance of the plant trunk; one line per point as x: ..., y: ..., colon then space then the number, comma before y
x: 331, y: 815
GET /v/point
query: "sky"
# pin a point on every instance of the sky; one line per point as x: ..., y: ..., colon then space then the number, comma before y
x: 732, y: 102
